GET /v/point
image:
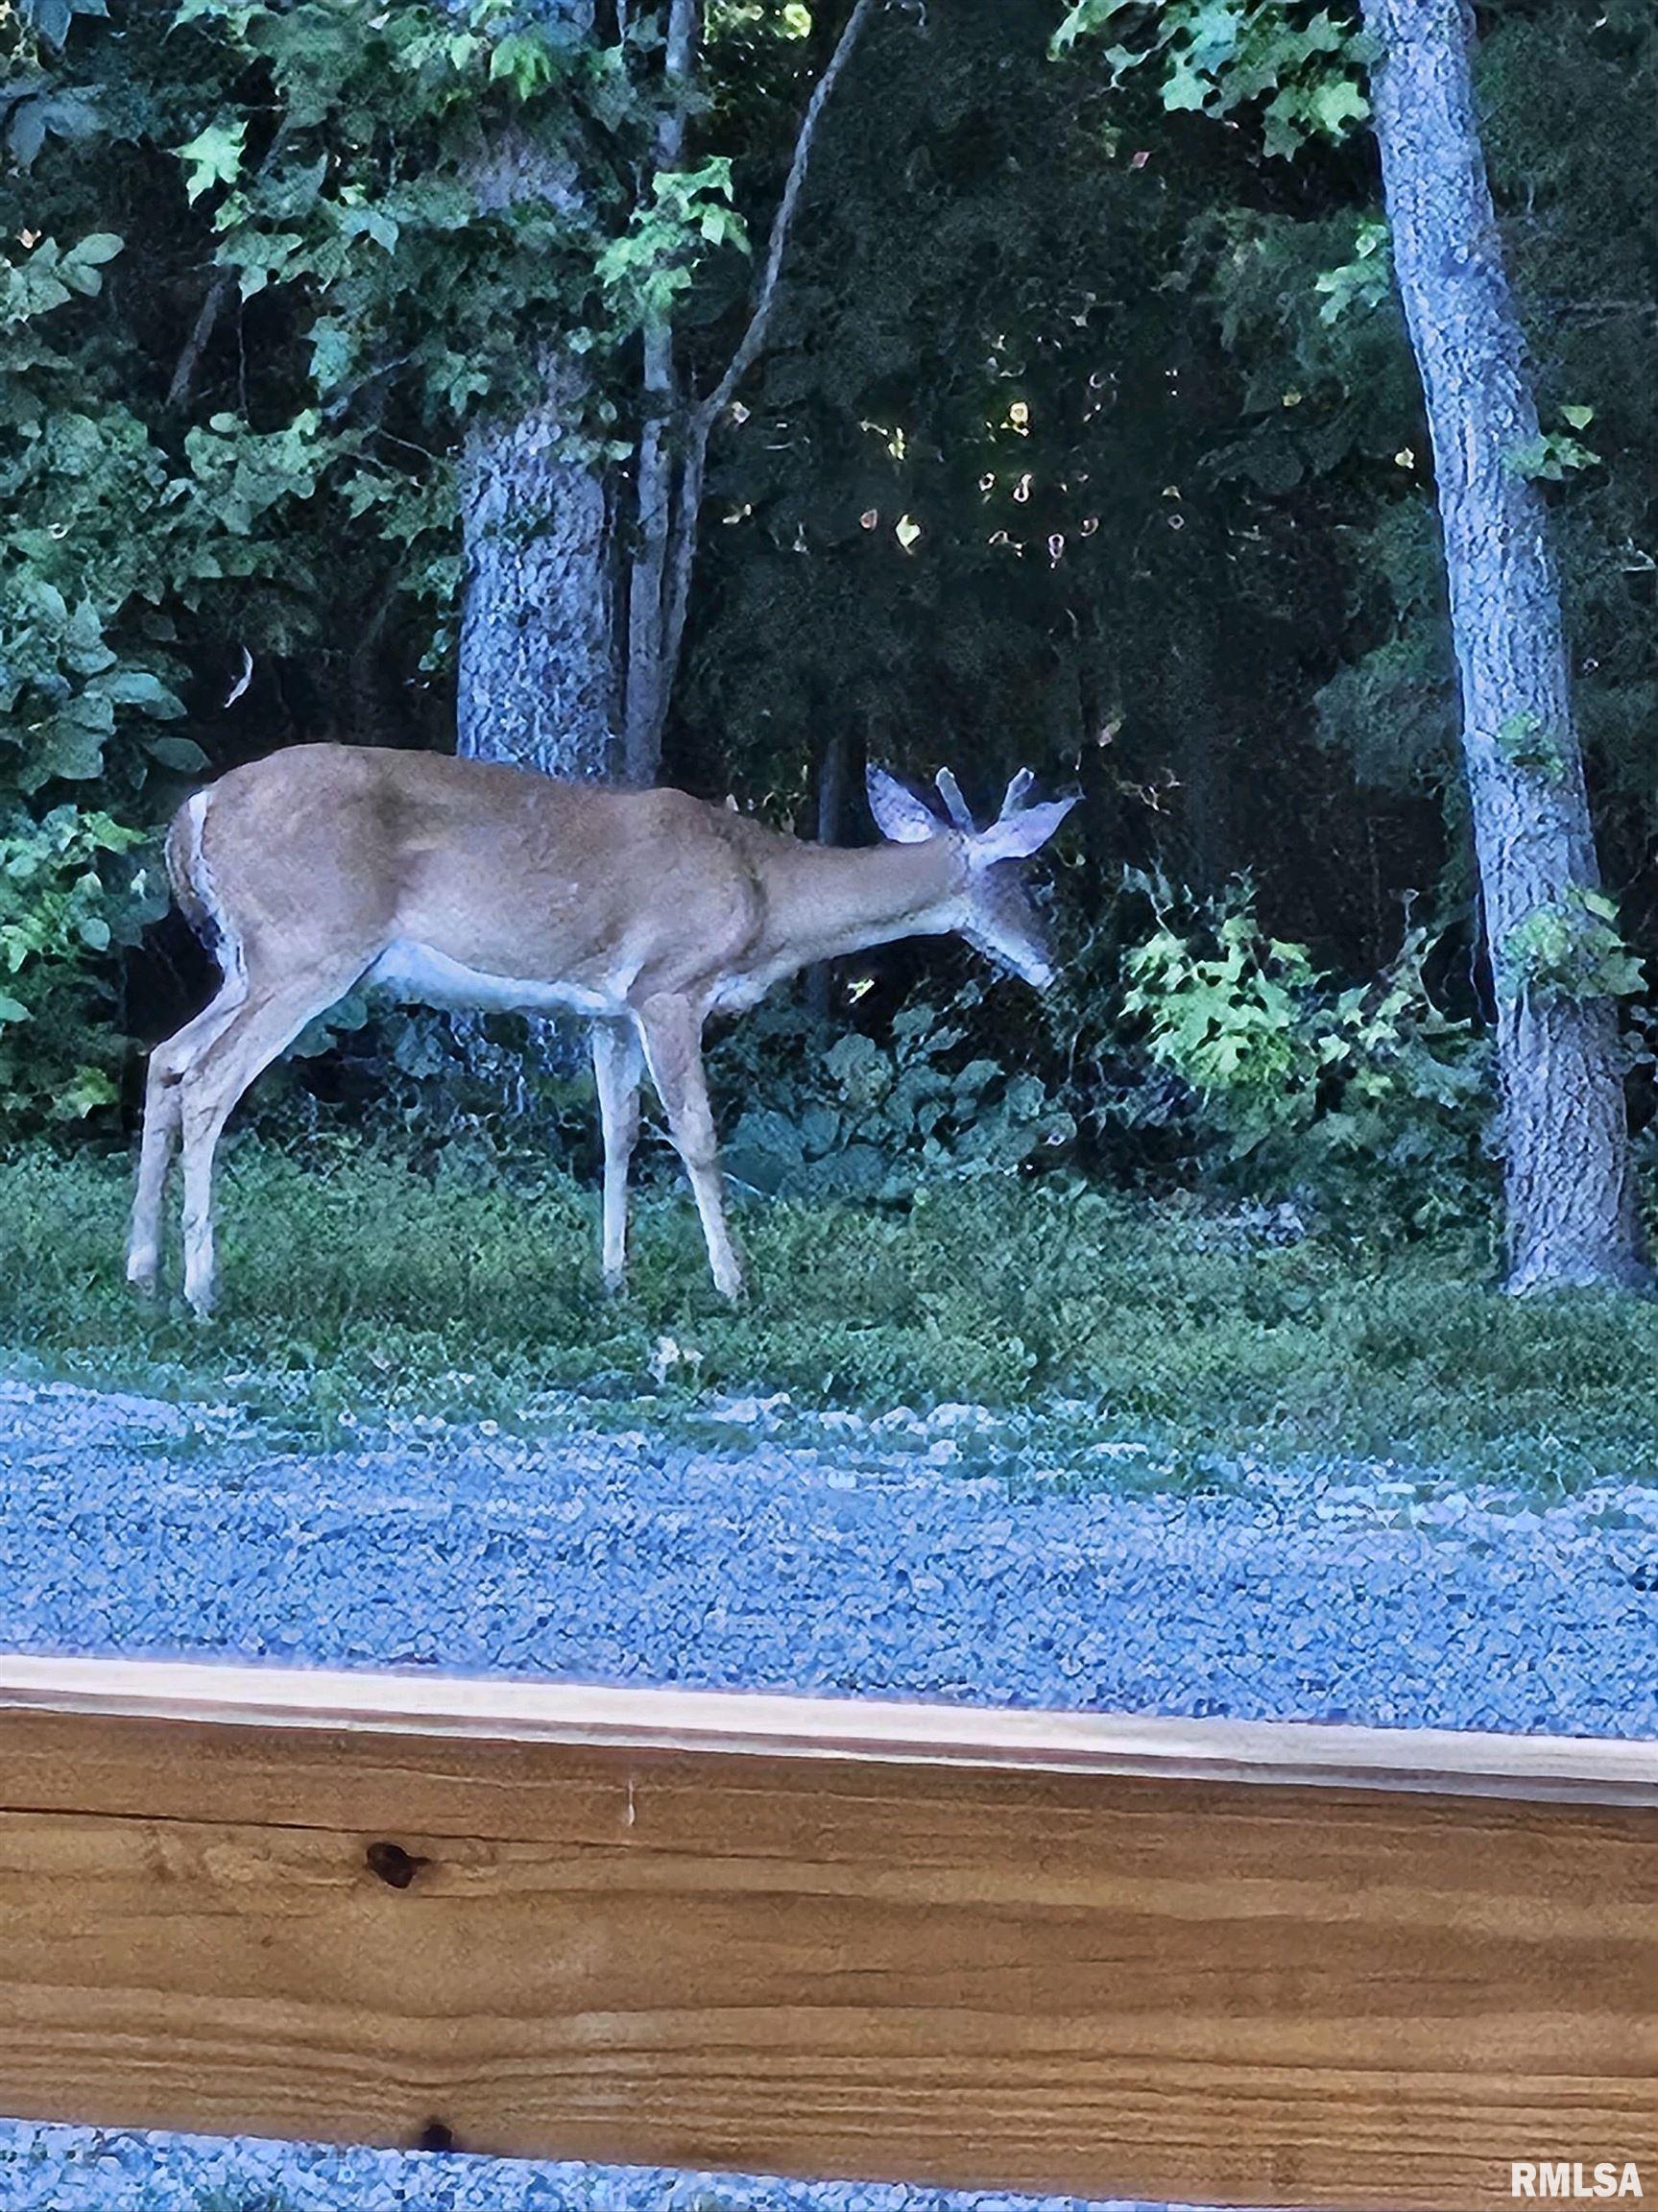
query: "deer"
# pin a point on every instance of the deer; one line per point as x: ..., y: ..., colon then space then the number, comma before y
x: 456, y: 882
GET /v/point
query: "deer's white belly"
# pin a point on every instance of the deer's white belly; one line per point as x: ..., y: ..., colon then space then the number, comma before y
x: 418, y: 971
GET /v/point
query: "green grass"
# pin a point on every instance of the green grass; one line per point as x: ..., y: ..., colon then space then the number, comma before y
x: 353, y: 1285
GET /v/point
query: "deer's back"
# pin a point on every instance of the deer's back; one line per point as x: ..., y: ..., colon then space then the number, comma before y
x: 497, y: 869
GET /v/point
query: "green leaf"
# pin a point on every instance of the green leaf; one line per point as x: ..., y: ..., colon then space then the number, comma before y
x: 26, y: 132
x: 83, y: 630
x: 91, y: 710
x: 1183, y: 90
x: 139, y: 688
x: 88, y: 1089
x: 528, y: 61
x: 97, y: 247
x: 49, y: 601
x: 330, y: 356
x: 214, y: 156
x: 75, y: 753
x: 183, y: 754
x: 1334, y: 104
x: 1215, y: 28
x: 1084, y: 16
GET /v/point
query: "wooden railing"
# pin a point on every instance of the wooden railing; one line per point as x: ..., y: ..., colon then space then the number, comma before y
x: 1214, y: 1961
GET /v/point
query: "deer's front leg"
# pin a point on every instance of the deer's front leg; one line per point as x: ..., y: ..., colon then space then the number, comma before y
x: 616, y: 1066
x: 670, y: 1030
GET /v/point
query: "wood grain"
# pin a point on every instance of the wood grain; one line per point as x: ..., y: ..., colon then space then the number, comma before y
x: 1298, y: 1967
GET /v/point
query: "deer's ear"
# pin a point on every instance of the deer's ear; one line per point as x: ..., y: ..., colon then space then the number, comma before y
x: 899, y: 815
x: 1018, y: 835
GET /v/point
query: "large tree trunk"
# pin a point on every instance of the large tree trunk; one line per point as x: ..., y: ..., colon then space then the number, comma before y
x: 1571, y: 1199
x: 539, y: 649
x: 538, y: 663
x: 550, y: 666
x: 538, y: 658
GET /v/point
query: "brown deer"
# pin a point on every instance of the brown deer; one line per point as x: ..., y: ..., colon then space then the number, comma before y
x: 458, y: 883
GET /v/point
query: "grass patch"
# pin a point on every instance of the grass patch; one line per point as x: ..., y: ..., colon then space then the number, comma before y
x: 356, y: 1286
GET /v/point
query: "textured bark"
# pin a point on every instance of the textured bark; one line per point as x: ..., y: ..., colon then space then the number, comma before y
x: 537, y: 629
x: 1571, y: 1199
x: 538, y: 646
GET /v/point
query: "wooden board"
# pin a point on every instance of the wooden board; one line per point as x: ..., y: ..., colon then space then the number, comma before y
x: 1217, y: 1962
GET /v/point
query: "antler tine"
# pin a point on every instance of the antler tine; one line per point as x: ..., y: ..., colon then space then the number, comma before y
x: 1016, y: 793
x: 960, y: 812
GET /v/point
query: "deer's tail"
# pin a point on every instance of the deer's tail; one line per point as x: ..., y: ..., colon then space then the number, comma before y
x: 193, y: 887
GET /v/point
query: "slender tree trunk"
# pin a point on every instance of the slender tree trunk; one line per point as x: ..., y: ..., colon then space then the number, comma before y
x: 539, y: 645
x: 830, y: 811
x: 1193, y: 690
x: 670, y: 495
x: 647, y: 680
x: 1570, y: 1199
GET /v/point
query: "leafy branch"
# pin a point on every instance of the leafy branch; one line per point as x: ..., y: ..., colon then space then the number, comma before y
x: 1302, y: 66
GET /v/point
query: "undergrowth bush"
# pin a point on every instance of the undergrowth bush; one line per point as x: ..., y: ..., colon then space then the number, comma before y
x: 856, y: 1116
x: 1366, y: 1098
x: 60, y: 1050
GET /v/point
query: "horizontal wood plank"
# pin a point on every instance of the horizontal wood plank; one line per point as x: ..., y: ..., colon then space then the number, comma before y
x: 504, y: 1708
x: 1165, y: 1960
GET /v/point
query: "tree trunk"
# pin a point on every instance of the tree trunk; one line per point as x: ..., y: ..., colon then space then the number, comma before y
x: 830, y: 808
x: 645, y: 690
x: 539, y: 649
x: 672, y: 555
x: 1571, y: 1197
x: 538, y: 623
x: 549, y: 665
x: 538, y: 646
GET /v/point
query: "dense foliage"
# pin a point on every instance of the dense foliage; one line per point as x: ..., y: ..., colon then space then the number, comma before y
x: 1086, y: 436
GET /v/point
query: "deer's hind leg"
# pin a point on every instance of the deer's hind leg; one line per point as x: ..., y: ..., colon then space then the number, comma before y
x: 270, y: 1017
x: 670, y: 1030
x: 169, y: 1064
x: 617, y: 1062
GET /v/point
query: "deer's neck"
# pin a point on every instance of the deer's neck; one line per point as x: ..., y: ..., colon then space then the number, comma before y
x: 831, y: 900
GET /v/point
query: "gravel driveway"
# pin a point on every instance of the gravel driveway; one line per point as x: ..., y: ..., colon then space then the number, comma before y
x: 896, y: 1558
x: 867, y: 1561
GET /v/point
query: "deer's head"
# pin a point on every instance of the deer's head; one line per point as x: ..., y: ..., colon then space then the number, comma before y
x: 993, y: 910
